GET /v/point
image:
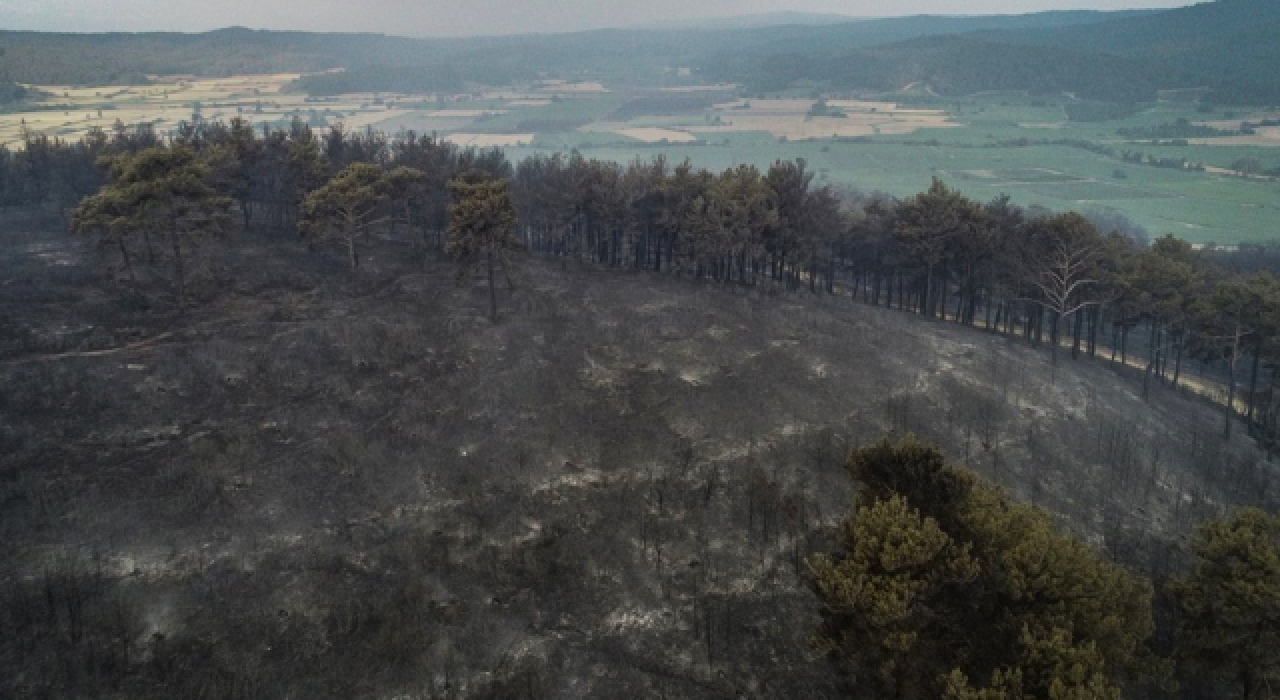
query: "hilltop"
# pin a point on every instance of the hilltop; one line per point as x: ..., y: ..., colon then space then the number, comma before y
x: 753, y: 21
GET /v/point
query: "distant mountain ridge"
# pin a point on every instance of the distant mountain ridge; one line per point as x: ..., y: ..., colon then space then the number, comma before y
x: 1231, y: 44
x: 1230, y: 47
x: 753, y: 21
x: 620, y: 54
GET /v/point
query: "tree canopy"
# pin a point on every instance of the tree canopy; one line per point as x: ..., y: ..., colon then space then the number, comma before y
x: 346, y: 207
x: 482, y: 228
x: 946, y: 588
x: 1230, y: 603
x: 162, y: 192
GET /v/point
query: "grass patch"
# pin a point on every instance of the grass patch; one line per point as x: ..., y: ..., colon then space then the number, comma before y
x: 1085, y: 191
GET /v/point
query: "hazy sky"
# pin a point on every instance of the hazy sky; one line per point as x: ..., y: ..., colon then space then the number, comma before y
x: 469, y: 17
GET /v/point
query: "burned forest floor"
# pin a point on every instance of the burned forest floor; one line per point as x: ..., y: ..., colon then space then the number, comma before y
x: 331, y: 484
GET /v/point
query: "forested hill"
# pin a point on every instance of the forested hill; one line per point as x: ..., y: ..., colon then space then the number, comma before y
x: 752, y: 21
x: 1231, y: 44
x: 630, y: 55
x: 1179, y: 31
x: 10, y: 91
x: 1231, y: 47
x: 47, y: 58
x: 957, y: 65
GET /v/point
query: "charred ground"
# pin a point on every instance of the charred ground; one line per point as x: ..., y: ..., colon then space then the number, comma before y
x: 338, y: 484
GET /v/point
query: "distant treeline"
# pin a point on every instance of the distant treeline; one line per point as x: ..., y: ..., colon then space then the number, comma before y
x: 1181, y: 129
x: 398, y: 79
x: 959, y: 66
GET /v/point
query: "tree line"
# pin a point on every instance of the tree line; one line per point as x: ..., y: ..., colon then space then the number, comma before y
x: 1059, y: 280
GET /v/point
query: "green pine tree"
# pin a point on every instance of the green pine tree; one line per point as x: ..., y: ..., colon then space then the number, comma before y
x: 945, y: 585
x: 160, y: 192
x: 1230, y: 604
x: 346, y: 208
x: 482, y: 225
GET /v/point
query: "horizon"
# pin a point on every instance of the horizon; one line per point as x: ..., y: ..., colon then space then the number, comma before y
x: 476, y: 19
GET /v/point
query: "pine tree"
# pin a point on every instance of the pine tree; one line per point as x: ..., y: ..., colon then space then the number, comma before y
x: 928, y: 226
x: 346, y: 208
x: 876, y: 598
x: 945, y: 583
x: 482, y: 228
x: 1238, y: 311
x: 160, y: 191
x: 1230, y: 603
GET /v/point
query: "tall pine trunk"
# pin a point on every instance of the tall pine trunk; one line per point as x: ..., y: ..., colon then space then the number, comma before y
x: 1253, y: 379
x: 180, y: 270
x: 1231, y: 386
x: 493, y: 294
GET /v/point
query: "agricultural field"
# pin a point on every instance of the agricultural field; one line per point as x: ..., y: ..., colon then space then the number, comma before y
x: 987, y: 145
x: 791, y: 119
x: 70, y: 112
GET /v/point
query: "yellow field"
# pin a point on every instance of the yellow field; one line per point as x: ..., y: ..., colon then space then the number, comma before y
x: 648, y: 134
x: 657, y: 135
x: 718, y: 87
x: 70, y: 112
x: 560, y: 86
x: 464, y: 113
x: 490, y: 140
x: 1267, y: 136
x: 869, y: 106
x: 765, y: 106
x: 789, y: 119
x: 367, y: 118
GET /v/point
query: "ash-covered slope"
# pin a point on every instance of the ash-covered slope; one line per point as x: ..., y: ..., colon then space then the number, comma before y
x: 323, y: 485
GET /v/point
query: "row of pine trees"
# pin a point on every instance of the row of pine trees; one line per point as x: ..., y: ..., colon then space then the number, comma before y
x: 1054, y: 279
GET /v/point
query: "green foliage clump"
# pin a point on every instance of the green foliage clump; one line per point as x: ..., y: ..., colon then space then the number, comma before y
x: 398, y: 79
x: 1230, y: 605
x: 346, y: 207
x: 946, y: 588
x: 482, y: 228
x: 160, y: 192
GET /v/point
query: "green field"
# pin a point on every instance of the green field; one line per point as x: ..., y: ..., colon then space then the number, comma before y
x: 991, y: 145
x: 977, y: 158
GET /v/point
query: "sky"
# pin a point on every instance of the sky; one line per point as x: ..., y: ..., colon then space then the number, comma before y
x: 471, y: 17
